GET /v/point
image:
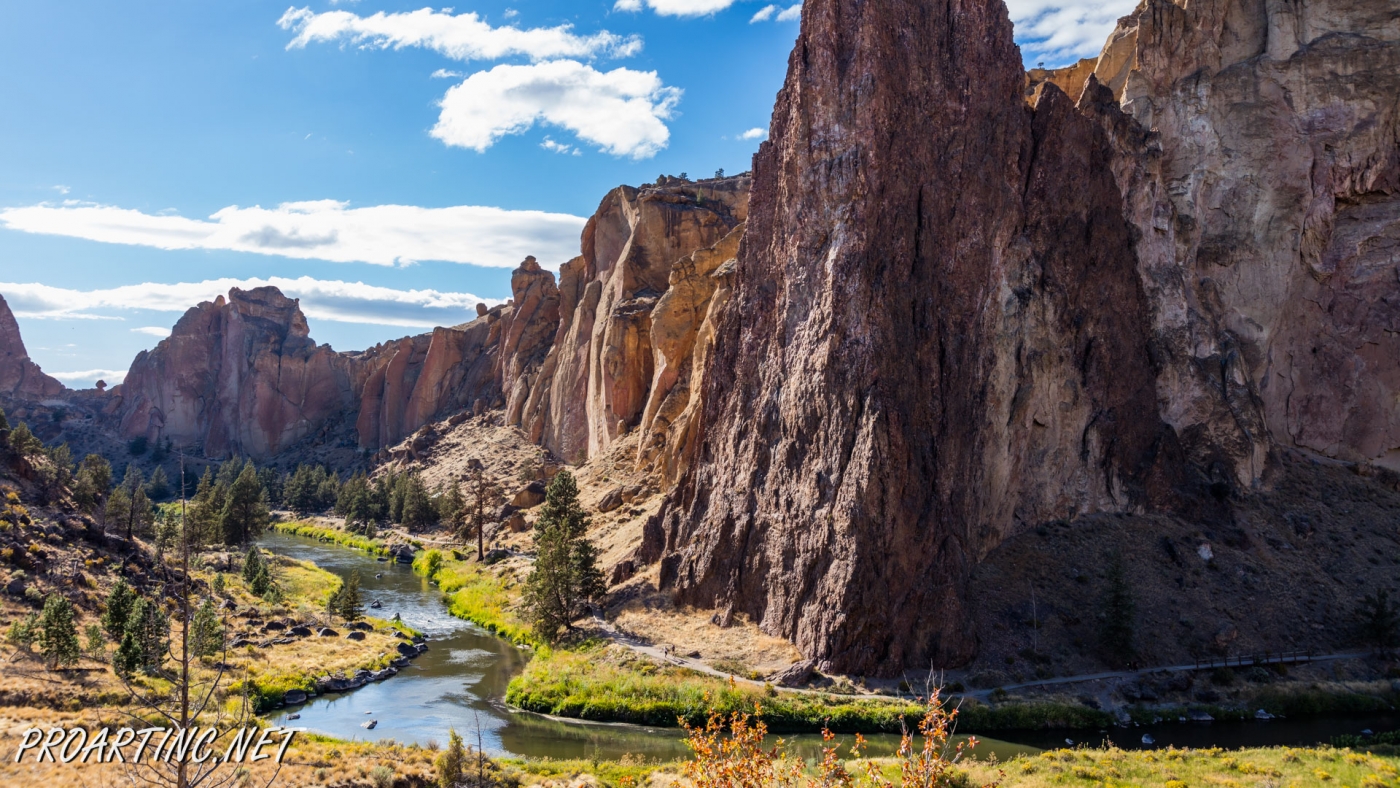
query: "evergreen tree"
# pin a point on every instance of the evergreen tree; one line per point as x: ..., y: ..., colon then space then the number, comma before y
x: 350, y: 605
x: 96, y: 646
x: 158, y: 488
x: 4, y: 423
x: 138, y: 517
x: 218, y: 585
x: 565, y: 577
x: 253, y: 564
x: 58, y: 635
x: 1117, y: 610
x: 452, y: 507
x: 261, y: 582
x: 128, y: 658
x: 327, y: 491
x: 206, y: 631
x: 99, y: 472
x: 117, y: 508
x: 245, y: 514
x: 23, y: 632
x: 417, y: 510
x: 23, y: 442
x: 118, y: 609
x: 1380, y: 621
x: 56, y: 477
x: 202, y: 512
x: 149, y: 627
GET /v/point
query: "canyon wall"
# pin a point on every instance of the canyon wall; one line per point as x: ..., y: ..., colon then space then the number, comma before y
x: 571, y: 361
x: 956, y: 313
x: 20, y: 378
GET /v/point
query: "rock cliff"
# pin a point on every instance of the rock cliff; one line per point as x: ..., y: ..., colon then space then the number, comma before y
x: 954, y: 315
x: 20, y: 378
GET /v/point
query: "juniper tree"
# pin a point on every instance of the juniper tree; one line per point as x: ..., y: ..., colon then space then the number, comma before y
x: 565, y: 577
x: 149, y: 628
x: 1117, y: 610
x: 96, y: 645
x: 350, y: 604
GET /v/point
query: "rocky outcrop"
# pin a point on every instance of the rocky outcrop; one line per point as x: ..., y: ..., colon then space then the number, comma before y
x: 235, y: 376
x: 20, y: 378
x: 596, y: 381
x: 954, y: 315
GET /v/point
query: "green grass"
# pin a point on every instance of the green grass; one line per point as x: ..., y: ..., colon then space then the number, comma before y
x: 334, y: 535
x: 476, y: 594
x: 605, y: 683
x: 609, y: 773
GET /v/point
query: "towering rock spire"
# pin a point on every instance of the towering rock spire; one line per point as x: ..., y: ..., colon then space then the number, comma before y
x: 20, y: 377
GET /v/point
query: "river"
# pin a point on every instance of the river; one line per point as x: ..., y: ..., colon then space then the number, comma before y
x: 461, y: 680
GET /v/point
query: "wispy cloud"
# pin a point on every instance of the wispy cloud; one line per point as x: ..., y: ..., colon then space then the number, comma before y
x: 443, y: 73
x: 559, y: 147
x: 621, y: 111
x: 754, y: 134
x: 154, y: 331
x: 110, y: 376
x: 460, y: 36
x: 324, y: 230
x: 353, y: 302
x: 1060, y: 32
x: 676, y: 7
x: 792, y: 13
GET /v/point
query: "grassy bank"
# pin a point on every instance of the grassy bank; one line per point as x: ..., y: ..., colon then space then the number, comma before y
x: 338, y: 536
x: 476, y: 593
x: 610, y: 683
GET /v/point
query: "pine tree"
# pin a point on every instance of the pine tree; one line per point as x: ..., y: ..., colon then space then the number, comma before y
x: 99, y: 471
x: 218, y: 585
x: 417, y: 508
x: 118, y: 609
x: 202, y: 512
x: 261, y: 582
x: 138, y: 517
x: 245, y: 514
x: 159, y: 485
x: 56, y: 477
x: 96, y: 645
x: 23, y: 632
x: 128, y: 658
x: 58, y: 635
x: 206, y: 631
x: 1117, y: 609
x: 350, y: 605
x: 149, y: 627
x: 565, y: 577
x: 252, y: 564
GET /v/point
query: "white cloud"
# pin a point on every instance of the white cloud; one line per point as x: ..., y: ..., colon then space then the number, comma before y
x: 461, y: 37
x: 154, y: 331
x: 621, y: 111
x: 353, y: 302
x: 61, y: 189
x: 676, y: 7
x: 559, y: 147
x: 1060, y: 33
x: 792, y: 13
x: 510, y: 13
x: 110, y: 376
x: 754, y: 134
x: 764, y: 14
x: 443, y: 73
x: 324, y: 230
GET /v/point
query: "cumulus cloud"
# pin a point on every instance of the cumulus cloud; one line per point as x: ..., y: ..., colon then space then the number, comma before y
x: 460, y: 37
x: 352, y: 302
x: 153, y: 331
x: 754, y: 134
x: 323, y: 230
x: 676, y: 7
x: 792, y: 13
x: 621, y: 111
x: 1060, y: 33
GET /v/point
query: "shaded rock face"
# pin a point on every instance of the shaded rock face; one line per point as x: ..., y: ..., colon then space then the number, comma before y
x: 954, y: 315
x: 597, y: 378
x: 20, y: 377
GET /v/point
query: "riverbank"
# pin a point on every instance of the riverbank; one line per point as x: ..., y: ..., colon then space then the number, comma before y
x: 333, y: 535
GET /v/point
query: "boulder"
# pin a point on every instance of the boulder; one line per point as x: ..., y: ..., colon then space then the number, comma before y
x: 293, y: 697
x: 795, y: 675
x: 327, y: 632
x: 300, y: 631
x: 529, y: 496
x: 407, y: 649
x: 356, y: 635
x: 611, y: 500
x: 516, y: 523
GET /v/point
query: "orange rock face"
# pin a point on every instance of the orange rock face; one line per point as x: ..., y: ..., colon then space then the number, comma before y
x: 20, y: 378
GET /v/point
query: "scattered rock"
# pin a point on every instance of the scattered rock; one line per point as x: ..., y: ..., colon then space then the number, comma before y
x: 529, y: 496
x: 327, y: 632
x: 796, y: 675
x: 369, y: 724
x: 300, y: 631
x: 516, y: 523
x: 293, y: 697
x: 356, y: 635
x: 611, y: 500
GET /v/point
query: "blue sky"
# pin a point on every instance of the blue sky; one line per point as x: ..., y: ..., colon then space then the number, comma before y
x: 387, y: 163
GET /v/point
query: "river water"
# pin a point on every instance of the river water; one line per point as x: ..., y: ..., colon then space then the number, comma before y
x: 461, y: 680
